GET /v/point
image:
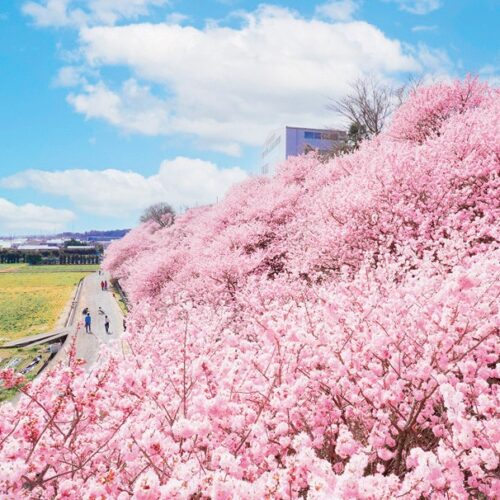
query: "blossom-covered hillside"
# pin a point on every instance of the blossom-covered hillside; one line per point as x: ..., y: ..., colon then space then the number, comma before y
x: 331, y: 332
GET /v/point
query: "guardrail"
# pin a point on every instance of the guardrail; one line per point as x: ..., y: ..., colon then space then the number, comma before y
x: 74, y: 302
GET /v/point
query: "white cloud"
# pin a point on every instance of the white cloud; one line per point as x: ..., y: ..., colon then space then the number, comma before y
x: 436, y: 61
x: 421, y: 27
x: 491, y: 74
x: 110, y: 11
x: 176, y: 18
x: 338, y: 10
x: 15, y: 219
x: 133, y: 108
x: 180, y: 182
x: 227, y: 148
x: 53, y: 13
x: 224, y: 86
x: 59, y: 13
x: 232, y: 85
x: 418, y: 7
x: 69, y: 76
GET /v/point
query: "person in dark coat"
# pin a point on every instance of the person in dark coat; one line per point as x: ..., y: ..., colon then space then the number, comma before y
x: 106, y: 324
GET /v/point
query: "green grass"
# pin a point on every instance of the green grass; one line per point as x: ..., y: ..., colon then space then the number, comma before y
x: 118, y: 298
x: 9, y: 268
x: 70, y: 268
x: 6, y: 394
x: 56, y: 268
x: 25, y: 356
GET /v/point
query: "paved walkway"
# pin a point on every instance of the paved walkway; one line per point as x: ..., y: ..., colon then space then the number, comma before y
x: 88, y: 345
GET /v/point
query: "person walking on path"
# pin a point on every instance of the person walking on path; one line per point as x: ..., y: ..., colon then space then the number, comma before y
x: 102, y: 285
x: 106, y: 324
x: 88, y: 321
x: 105, y: 285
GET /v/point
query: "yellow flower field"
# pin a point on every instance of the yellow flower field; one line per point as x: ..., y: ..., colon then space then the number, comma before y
x: 32, y: 299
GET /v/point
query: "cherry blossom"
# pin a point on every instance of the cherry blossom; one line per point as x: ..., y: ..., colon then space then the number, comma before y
x: 331, y: 332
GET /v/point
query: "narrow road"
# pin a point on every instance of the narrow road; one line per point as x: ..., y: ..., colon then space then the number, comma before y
x: 88, y: 346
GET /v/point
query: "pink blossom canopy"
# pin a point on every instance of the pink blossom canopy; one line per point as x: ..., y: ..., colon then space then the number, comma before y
x: 331, y: 332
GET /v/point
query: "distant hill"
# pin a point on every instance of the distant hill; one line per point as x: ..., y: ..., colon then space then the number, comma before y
x: 93, y: 235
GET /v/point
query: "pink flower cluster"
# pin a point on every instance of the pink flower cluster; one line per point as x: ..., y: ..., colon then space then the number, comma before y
x: 331, y: 332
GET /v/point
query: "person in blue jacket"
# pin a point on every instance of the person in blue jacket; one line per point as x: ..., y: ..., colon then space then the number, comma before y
x: 88, y: 321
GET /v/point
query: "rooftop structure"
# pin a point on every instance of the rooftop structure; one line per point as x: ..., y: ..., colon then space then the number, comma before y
x: 294, y: 141
x: 11, y: 242
x: 56, y: 242
x: 34, y: 247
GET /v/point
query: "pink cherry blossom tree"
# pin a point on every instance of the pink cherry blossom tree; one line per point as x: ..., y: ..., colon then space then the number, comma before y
x: 331, y: 332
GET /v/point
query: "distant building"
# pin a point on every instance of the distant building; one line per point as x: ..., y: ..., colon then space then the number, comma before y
x: 11, y: 242
x: 45, y: 254
x: 56, y: 242
x: 294, y: 141
x: 33, y: 247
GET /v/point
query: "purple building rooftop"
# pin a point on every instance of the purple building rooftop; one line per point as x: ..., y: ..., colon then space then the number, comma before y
x: 294, y: 141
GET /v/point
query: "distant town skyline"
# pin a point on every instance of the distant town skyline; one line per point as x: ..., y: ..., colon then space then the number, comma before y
x: 65, y: 235
x: 109, y: 106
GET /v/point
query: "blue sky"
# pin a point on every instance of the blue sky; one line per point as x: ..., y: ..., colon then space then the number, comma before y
x: 107, y: 106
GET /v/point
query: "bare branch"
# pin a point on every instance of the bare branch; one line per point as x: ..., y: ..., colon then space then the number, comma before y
x: 368, y: 105
x: 161, y: 213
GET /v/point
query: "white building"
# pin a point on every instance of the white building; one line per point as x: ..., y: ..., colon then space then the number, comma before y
x: 34, y: 247
x: 11, y: 242
x: 293, y: 141
x: 56, y: 242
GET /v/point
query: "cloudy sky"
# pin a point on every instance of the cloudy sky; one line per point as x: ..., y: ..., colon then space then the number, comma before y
x: 107, y: 106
